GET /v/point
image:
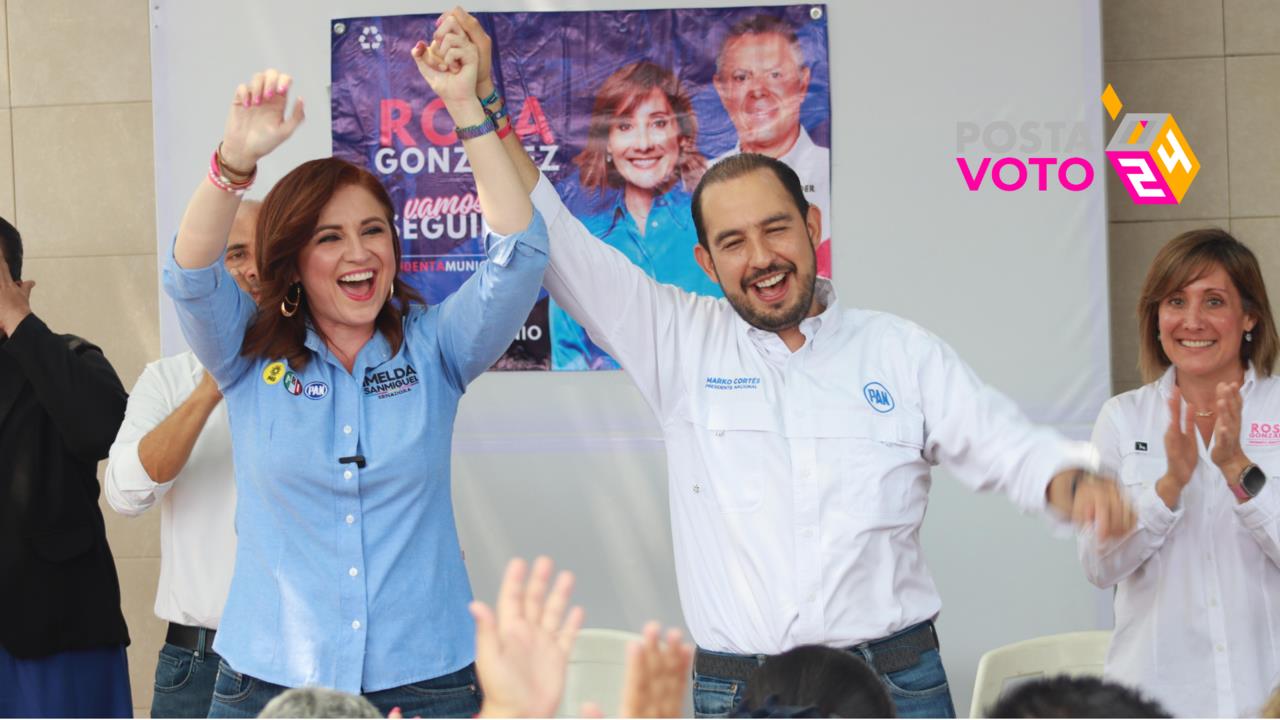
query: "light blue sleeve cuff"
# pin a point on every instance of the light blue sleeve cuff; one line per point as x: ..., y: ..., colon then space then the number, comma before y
x: 501, y: 248
x: 192, y: 283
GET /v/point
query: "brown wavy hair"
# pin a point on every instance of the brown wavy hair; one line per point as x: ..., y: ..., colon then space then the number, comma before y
x: 288, y: 219
x: 618, y: 95
x: 1182, y: 261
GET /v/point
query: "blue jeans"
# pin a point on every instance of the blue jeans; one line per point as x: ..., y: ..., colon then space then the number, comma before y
x: 456, y: 695
x: 920, y: 691
x: 184, y: 682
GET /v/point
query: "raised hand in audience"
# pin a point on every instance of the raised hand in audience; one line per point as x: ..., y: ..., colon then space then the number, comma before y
x: 657, y: 675
x: 522, y: 649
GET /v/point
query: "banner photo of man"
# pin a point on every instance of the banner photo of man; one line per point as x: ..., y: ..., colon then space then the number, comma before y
x: 623, y: 111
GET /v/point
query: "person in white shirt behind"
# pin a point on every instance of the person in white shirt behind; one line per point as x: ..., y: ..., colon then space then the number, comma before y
x: 174, y: 449
x: 1197, y: 601
x: 799, y: 434
x: 762, y: 79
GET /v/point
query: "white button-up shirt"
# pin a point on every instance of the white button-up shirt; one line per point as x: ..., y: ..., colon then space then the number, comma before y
x: 1198, y: 599
x: 197, y: 508
x: 798, y: 481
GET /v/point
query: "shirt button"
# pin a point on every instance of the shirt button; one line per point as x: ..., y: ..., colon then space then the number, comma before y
x: 353, y: 572
x: 697, y: 488
x: 1219, y: 648
x: 351, y: 519
x: 346, y: 475
x: 355, y: 624
x: 1213, y: 602
x: 346, y: 429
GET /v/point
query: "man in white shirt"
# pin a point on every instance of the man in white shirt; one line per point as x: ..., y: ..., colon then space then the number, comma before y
x: 800, y: 437
x: 762, y: 79
x: 174, y: 448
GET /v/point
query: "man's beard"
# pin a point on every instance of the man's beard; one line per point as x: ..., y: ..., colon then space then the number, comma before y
x: 783, y: 318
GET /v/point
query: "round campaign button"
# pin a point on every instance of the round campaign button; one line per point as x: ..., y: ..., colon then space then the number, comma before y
x: 273, y: 373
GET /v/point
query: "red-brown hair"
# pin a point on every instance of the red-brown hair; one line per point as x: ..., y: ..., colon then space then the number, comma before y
x: 618, y: 95
x: 288, y: 219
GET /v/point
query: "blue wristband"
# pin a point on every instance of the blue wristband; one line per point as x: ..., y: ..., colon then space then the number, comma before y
x: 483, y: 127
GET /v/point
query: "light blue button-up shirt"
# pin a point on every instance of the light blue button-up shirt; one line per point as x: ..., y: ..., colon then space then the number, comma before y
x: 348, y: 577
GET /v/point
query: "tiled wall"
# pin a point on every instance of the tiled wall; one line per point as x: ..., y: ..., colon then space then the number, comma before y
x: 76, y: 177
x: 1214, y: 64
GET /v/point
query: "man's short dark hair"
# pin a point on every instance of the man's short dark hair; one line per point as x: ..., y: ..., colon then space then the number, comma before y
x: 1064, y: 696
x: 761, y: 25
x: 11, y: 245
x: 829, y: 682
x: 735, y: 166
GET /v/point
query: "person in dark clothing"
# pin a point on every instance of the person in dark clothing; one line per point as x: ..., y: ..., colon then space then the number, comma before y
x: 62, y: 635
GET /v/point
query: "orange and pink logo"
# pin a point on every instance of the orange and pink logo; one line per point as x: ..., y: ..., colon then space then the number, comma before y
x: 1150, y: 154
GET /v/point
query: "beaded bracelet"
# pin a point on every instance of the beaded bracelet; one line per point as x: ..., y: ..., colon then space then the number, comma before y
x: 484, y: 127
x: 219, y: 179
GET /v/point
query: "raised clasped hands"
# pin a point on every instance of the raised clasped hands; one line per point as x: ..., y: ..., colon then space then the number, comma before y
x: 256, y: 122
x: 450, y: 64
x: 522, y: 649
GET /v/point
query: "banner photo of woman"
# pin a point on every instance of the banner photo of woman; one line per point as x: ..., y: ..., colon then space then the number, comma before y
x: 624, y: 111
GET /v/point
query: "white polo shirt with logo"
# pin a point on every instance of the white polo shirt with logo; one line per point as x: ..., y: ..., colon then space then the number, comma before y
x: 1198, y: 588
x: 798, y: 481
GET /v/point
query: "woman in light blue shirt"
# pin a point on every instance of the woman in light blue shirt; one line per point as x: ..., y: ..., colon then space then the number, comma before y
x: 641, y: 158
x: 342, y: 387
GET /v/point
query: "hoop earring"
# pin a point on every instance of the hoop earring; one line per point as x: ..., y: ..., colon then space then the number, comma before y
x: 289, y: 308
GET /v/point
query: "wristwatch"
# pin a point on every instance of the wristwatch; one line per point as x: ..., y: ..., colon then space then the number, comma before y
x: 1251, y: 481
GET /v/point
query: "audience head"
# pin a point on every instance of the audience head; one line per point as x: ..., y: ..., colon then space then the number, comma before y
x: 328, y: 256
x: 1191, y: 267
x: 241, y: 256
x: 1064, y: 696
x: 314, y: 702
x: 830, y: 682
x: 643, y: 133
x: 11, y: 246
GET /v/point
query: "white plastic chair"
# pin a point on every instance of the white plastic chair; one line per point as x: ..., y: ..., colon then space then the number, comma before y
x: 596, y: 668
x: 1002, y: 669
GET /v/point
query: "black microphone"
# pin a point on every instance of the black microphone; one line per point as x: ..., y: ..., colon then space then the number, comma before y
x: 357, y: 459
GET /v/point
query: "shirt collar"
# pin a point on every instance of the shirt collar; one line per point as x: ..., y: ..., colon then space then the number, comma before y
x: 667, y: 203
x: 803, y: 145
x: 814, y: 328
x: 1165, y: 383
x: 374, y: 353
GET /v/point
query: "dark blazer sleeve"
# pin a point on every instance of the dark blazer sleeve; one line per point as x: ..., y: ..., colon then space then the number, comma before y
x: 74, y: 383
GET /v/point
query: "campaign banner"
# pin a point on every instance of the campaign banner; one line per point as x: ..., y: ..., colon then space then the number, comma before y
x: 622, y: 110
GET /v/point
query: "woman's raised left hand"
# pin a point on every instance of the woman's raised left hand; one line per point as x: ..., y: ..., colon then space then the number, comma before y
x: 1227, y: 453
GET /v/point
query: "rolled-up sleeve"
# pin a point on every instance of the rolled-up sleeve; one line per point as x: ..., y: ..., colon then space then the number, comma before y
x: 128, y: 487
x: 481, y: 319
x: 213, y: 312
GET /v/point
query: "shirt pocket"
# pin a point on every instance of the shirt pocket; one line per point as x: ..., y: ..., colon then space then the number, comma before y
x: 876, y: 462
x: 742, y: 446
x: 1140, y: 470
